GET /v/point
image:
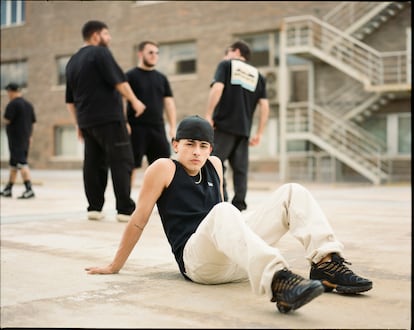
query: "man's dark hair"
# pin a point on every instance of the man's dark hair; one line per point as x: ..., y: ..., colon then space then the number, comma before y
x: 91, y: 27
x: 243, y: 47
x: 142, y: 44
x: 12, y: 87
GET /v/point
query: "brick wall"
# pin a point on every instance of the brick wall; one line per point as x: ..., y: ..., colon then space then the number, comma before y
x: 52, y: 28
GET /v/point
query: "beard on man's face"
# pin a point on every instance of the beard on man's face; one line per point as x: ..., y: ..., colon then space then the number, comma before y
x: 147, y: 64
x: 102, y: 42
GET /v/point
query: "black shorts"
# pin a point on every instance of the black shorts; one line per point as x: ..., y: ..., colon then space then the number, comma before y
x: 150, y: 141
x: 18, y: 157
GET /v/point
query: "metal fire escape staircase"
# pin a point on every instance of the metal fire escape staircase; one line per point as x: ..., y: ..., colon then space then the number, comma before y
x: 361, y: 18
x: 379, y: 73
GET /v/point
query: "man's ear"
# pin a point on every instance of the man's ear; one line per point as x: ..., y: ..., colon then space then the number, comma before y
x: 174, y: 143
x: 95, y: 37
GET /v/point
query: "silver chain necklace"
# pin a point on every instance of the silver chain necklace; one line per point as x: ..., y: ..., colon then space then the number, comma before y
x: 199, y: 180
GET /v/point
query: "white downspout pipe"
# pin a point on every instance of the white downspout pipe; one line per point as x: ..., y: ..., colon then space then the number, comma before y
x: 283, y: 97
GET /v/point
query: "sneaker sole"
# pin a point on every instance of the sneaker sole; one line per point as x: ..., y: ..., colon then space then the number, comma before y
x: 345, y: 289
x: 306, y: 297
x: 123, y: 217
x: 95, y: 215
x: 95, y: 218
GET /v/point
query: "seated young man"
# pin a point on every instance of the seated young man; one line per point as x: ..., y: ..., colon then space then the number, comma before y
x: 213, y: 242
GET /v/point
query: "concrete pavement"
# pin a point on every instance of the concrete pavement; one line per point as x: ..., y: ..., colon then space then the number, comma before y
x: 46, y: 242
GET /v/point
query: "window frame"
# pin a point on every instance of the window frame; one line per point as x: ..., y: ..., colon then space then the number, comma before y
x: 58, y: 69
x: 272, y: 47
x: 20, y: 14
x: 4, y: 144
x: 57, y: 141
x: 22, y: 81
x: 171, y: 61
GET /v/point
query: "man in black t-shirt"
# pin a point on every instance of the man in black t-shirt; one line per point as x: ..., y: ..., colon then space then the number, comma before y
x: 19, y: 117
x: 237, y: 89
x: 94, y: 86
x: 148, y: 134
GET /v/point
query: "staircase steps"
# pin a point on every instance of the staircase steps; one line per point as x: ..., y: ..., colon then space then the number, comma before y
x: 337, y: 40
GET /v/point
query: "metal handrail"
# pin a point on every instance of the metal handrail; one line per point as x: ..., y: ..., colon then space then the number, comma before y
x: 369, y: 65
x: 350, y: 140
x: 349, y: 12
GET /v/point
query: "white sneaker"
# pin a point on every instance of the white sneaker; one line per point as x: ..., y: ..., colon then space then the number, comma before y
x: 123, y: 217
x: 95, y: 215
x: 27, y: 194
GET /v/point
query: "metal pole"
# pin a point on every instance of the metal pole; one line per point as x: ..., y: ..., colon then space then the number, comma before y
x: 283, y: 97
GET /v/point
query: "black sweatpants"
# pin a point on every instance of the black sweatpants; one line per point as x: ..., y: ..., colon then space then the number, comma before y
x: 235, y: 149
x: 108, y: 147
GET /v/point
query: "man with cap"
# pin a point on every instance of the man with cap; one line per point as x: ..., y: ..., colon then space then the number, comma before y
x: 19, y: 118
x: 213, y: 242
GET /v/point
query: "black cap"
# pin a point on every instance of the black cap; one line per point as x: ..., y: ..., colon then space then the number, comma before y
x: 195, y: 128
x: 12, y: 87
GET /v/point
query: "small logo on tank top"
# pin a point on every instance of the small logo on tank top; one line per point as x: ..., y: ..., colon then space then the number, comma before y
x: 210, y: 184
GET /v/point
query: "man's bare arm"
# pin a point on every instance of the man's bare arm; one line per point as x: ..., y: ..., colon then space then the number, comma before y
x: 72, y: 111
x: 263, y: 117
x: 156, y: 177
x: 213, y: 98
x: 126, y: 91
x: 171, y: 113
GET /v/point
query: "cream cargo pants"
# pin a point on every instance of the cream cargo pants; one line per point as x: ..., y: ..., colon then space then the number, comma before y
x: 231, y: 246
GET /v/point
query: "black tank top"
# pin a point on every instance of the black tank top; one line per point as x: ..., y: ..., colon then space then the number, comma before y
x: 184, y: 204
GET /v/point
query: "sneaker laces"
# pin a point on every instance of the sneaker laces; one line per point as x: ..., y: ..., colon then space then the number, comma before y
x: 285, y: 280
x: 337, y: 264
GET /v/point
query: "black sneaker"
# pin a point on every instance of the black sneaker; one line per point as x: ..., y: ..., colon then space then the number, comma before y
x: 7, y: 192
x: 291, y: 291
x: 27, y: 194
x: 336, y: 275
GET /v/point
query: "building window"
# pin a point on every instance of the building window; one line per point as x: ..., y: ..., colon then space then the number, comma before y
x: 264, y: 48
x: 377, y: 125
x: 14, y: 72
x: 268, y: 147
x: 4, y: 146
x: 67, y: 144
x: 178, y: 58
x: 394, y: 130
x: 404, y: 134
x: 61, y: 63
x: 13, y: 12
x: 260, y: 49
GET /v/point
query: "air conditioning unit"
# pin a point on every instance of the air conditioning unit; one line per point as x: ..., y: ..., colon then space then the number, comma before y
x: 270, y: 75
